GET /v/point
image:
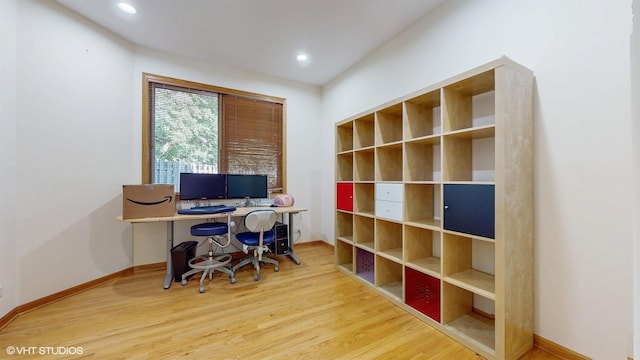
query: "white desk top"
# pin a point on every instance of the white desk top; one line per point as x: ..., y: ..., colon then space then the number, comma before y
x: 241, y: 211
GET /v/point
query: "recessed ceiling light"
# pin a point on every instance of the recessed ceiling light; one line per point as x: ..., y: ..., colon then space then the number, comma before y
x: 303, y: 59
x: 128, y: 8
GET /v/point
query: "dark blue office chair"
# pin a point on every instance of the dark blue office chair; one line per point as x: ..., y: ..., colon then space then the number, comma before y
x: 260, y: 234
x: 213, y: 231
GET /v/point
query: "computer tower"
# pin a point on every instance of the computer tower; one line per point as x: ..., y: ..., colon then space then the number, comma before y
x: 180, y: 256
x: 281, y: 245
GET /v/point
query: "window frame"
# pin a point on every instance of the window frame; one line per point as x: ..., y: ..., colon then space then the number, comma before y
x: 148, y: 78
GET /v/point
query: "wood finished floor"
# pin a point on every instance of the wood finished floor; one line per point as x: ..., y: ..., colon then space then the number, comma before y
x: 308, y: 311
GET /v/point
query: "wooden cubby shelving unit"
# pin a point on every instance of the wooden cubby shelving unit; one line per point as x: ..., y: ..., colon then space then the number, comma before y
x: 435, y: 205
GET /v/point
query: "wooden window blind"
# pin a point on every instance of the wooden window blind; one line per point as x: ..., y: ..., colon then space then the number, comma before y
x: 252, y: 138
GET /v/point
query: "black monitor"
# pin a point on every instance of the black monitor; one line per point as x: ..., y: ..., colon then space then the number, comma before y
x: 202, y: 186
x: 246, y: 186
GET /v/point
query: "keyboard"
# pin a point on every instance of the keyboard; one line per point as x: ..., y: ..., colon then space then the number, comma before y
x: 208, y: 207
x: 213, y: 209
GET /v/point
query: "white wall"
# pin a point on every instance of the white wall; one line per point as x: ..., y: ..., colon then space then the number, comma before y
x: 7, y: 151
x: 73, y: 150
x: 580, y: 54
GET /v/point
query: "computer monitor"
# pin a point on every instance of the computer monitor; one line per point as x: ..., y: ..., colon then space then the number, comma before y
x: 246, y: 186
x: 202, y: 186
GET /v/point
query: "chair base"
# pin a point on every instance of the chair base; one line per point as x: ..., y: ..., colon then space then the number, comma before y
x: 256, y: 264
x: 207, y: 266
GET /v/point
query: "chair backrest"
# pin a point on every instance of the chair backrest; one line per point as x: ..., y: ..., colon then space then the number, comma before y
x: 260, y: 220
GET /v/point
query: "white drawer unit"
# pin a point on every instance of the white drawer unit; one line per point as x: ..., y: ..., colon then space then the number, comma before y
x: 389, y: 210
x: 389, y: 201
x: 389, y: 192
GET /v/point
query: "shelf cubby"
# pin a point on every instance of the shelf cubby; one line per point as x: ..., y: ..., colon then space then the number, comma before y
x: 469, y: 155
x: 483, y: 109
x: 365, y: 265
x: 422, y: 116
x: 364, y: 133
x: 389, y: 125
x: 388, y: 239
x: 389, y: 277
x: 422, y: 159
x: 388, y: 163
x: 344, y: 255
x: 364, y: 198
x: 422, y: 204
x: 422, y: 250
x: 422, y: 292
x: 364, y: 168
x: 469, y: 263
x: 344, y: 166
x: 344, y: 226
x: 363, y: 229
x: 460, y: 316
x: 344, y: 137
x: 458, y: 102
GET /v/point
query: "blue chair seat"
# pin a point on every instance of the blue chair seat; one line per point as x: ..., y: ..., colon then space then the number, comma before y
x: 209, y: 229
x: 253, y: 239
x: 259, y: 224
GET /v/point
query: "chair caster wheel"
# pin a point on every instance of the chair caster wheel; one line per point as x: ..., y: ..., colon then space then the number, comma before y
x: 256, y: 277
x: 232, y: 280
x: 276, y: 269
x: 201, y: 289
x: 184, y: 282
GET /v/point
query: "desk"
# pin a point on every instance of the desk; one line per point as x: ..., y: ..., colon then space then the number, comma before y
x: 240, y: 212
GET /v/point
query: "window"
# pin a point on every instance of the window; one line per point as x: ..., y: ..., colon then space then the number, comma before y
x: 184, y: 132
x: 192, y: 127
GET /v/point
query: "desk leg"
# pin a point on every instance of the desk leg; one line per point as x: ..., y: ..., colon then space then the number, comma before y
x: 291, y: 254
x: 168, y: 279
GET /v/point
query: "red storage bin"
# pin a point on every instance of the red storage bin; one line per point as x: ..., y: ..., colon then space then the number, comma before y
x: 422, y: 292
x: 344, y: 194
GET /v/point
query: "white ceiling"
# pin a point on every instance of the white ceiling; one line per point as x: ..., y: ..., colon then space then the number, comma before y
x: 263, y: 36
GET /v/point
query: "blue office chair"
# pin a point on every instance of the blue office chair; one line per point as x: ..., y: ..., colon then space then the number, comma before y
x: 260, y: 234
x: 207, y: 264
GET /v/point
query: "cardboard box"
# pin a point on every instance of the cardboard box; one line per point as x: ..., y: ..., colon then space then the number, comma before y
x: 148, y: 200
